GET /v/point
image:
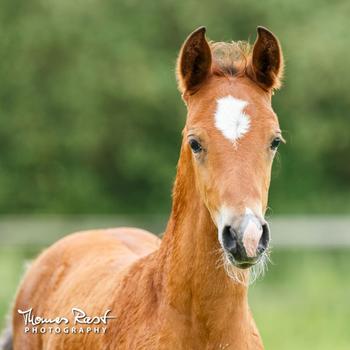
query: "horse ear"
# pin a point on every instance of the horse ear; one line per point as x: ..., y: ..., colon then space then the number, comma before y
x: 194, y: 62
x: 266, y: 66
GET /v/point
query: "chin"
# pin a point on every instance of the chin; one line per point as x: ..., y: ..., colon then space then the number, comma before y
x: 242, y: 264
x: 244, y: 272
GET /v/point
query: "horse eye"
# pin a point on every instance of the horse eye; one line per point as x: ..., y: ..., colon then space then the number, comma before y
x: 275, y: 143
x: 195, y: 146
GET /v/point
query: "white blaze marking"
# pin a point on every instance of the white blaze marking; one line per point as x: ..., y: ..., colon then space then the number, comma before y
x: 230, y: 118
x: 248, y: 211
x: 252, y: 234
x: 222, y: 218
x: 251, y: 238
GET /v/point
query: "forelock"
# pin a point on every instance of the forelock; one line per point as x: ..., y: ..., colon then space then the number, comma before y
x: 230, y: 58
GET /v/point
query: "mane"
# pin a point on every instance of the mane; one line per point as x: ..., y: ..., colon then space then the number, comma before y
x: 230, y: 59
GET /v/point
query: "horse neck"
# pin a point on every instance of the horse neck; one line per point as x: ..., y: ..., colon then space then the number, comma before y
x: 195, y: 281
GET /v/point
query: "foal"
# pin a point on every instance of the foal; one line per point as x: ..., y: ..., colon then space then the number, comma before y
x: 188, y: 291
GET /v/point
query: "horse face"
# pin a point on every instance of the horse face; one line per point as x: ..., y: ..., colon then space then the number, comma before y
x: 233, y: 134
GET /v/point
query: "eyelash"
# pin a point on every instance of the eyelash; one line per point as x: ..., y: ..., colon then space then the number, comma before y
x: 195, y: 146
x: 275, y: 143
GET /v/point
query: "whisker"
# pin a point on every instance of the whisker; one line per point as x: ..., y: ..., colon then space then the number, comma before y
x: 241, y: 276
x: 237, y: 275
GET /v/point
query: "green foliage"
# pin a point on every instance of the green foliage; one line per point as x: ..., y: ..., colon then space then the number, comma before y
x: 90, y: 118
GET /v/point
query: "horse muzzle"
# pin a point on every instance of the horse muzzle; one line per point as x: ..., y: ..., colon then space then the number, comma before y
x: 247, y: 242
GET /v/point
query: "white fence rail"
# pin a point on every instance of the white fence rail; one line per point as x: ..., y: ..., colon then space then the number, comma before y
x: 287, y: 231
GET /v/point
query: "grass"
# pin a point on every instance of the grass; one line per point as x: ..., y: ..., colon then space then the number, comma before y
x: 12, y: 267
x: 302, y: 302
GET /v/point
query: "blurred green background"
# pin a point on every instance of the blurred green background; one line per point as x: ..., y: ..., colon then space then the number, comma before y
x: 90, y: 124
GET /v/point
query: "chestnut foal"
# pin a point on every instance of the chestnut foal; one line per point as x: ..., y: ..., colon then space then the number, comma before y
x: 188, y: 290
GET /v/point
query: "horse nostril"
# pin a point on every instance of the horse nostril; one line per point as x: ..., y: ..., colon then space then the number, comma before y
x: 229, y: 238
x: 265, y: 238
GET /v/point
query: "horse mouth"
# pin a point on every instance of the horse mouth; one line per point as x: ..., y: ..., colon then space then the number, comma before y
x: 242, y: 264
